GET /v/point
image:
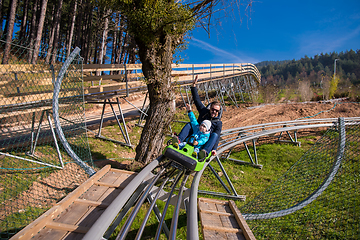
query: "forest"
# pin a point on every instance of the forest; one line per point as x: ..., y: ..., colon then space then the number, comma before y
x: 54, y: 27
x: 316, y: 76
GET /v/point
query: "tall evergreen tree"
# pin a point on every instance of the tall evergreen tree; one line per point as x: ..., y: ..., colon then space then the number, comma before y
x: 39, y: 30
x: 72, y: 27
x: 9, y: 35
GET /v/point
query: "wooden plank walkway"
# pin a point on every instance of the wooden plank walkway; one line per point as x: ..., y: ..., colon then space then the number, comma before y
x: 222, y: 220
x: 73, y: 216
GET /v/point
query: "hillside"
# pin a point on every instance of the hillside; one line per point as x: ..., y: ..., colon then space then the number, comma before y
x: 318, y: 71
x: 244, y: 116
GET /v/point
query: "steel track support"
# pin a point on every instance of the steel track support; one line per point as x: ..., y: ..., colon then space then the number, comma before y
x: 239, y: 88
x: 175, y: 219
x: 206, y: 89
x: 143, y: 112
x: 123, y: 131
x: 153, y: 207
x: 252, y: 162
x: 182, y: 97
x: 232, y: 194
x: 228, y: 92
x: 35, y: 140
x: 218, y: 178
x: 292, y: 140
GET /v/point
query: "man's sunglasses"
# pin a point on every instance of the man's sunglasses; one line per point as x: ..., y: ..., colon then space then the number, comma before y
x: 214, y: 110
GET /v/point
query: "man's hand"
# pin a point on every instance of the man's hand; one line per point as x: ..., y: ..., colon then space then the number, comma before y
x: 195, y: 81
x: 195, y: 143
x: 188, y: 107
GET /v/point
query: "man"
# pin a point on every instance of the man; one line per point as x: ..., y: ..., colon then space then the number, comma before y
x: 212, y: 114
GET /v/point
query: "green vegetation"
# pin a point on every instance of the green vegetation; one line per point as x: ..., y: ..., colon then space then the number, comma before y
x: 17, y: 220
x: 318, y: 72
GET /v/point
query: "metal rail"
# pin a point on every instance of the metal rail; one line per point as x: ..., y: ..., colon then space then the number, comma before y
x: 181, y: 73
x: 319, y: 190
x: 58, y: 128
x: 105, y: 220
x: 254, y: 132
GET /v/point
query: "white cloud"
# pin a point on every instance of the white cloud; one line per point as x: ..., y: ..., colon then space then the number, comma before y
x: 222, y: 56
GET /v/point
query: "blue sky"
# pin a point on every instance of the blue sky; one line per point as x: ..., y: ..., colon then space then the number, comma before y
x: 279, y: 30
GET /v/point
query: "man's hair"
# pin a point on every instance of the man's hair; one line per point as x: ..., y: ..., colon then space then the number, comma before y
x: 215, y: 103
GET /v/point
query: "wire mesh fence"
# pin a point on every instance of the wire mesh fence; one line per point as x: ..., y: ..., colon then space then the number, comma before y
x: 31, y: 154
x: 318, y: 197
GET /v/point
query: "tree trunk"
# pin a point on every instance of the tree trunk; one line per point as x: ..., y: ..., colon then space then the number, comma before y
x: 88, y: 36
x: 120, y: 45
x: 156, y: 67
x: 54, y: 32
x: 123, y: 49
x: 131, y: 50
x: 57, y: 31
x: 104, y: 37
x: 32, y: 31
x: 79, y: 21
x: 24, y: 19
x: 96, y: 61
x: 115, y: 40
x: 11, y: 22
x: 51, y: 37
x: 7, y: 14
x: 71, y: 34
x: 1, y: 16
x: 39, y: 31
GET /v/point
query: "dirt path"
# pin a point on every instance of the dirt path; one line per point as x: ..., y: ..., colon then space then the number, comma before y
x: 245, y: 116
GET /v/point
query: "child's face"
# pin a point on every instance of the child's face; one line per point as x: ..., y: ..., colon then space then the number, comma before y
x: 202, y: 128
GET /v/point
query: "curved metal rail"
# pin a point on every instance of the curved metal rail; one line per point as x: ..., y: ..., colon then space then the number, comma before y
x: 142, y: 188
x: 246, y: 133
x: 319, y: 190
x: 104, y: 221
x: 55, y: 104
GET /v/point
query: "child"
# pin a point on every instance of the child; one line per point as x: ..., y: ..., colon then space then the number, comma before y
x: 198, y: 138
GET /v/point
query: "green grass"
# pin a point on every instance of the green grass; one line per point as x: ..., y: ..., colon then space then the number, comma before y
x: 17, y: 220
x: 247, y: 180
x: 18, y: 175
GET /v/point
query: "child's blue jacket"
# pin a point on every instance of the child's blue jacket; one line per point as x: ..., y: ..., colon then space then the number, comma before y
x: 200, y: 137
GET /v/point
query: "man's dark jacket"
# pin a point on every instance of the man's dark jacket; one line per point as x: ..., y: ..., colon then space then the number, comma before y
x: 204, y: 114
